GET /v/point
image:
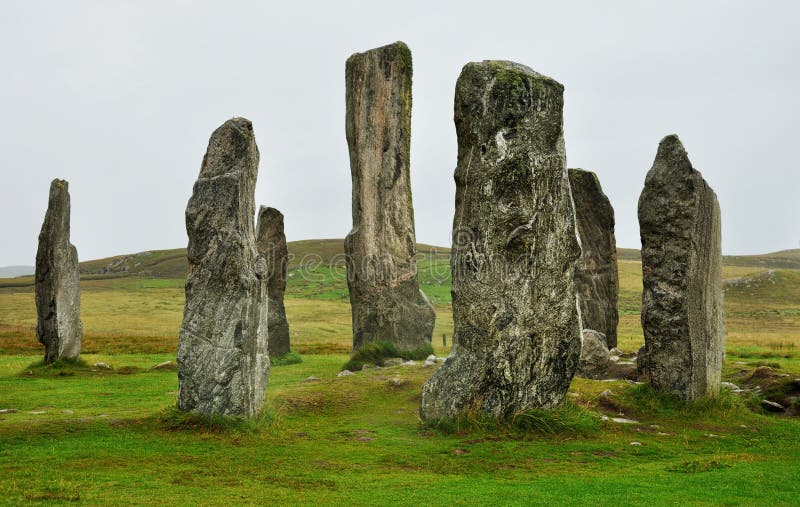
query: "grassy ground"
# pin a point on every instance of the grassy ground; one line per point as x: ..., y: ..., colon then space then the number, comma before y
x: 108, y: 436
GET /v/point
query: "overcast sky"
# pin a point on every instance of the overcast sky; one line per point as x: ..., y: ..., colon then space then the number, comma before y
x: 119, y: 98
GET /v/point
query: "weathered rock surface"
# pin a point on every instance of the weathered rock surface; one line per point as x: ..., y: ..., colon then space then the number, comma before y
x: 682, y: 313
x: 517, y: 326
x: 223, y: 364
x: 271, y: 244
x: 596, y: 277
x: 386, y: 302
x: 57, y: 287
x: 595, y: 359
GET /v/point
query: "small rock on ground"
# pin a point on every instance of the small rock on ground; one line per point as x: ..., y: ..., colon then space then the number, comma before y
x: 771, y: 406
x: 345, y: 373
x: 166, y: 365
x: 731, y: 386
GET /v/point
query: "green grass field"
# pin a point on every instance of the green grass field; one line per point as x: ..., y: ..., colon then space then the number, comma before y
x: 111, y: 436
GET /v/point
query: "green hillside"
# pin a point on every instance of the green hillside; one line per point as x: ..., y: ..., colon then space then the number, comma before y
x: 172, y: 263
x: 785, y: 259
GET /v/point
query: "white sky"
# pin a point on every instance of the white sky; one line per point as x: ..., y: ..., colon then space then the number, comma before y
x: 120, y: 98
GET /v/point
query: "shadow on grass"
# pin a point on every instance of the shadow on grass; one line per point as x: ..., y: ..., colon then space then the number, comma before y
x: 567, y: 420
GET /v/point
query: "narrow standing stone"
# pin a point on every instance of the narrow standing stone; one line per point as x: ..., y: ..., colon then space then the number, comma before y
x: 58, y: 290
x: 682, y: 313
x: 223, y: 364
x: 597, y: 277
x: 386, y: 301
x: 517, y: 325
x: 271, y: 243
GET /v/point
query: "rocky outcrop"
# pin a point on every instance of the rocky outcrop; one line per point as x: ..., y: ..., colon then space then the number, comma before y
x: 595, y: 358
x: 517, y: 326
x: 682, y: 313
x: 386, y: 302
x: 57, y: 287
x: 223, y: 364
x: 596, y: 277
x: 271, y: 244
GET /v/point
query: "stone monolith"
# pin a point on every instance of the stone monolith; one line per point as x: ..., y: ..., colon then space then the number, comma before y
x: 517, y: 325
x: 596, y: 277
x: 57, y: 287
x: 223, y: 364
x: 387, y: 304
x: 271, y: 244
x: 682, y: 313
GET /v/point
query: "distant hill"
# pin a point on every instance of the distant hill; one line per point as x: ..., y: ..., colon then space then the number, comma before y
x: 172, y: 263
x: 13, y: 271
x: 785, y: 259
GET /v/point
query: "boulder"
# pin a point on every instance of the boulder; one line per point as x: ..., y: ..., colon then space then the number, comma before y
x: 223, y: 364
x: 517, y: 336
x: 271, y: 244
x: 386, y: 302
x: 57, y: 281
x: 595, y: 359
x: 596, y: 277
x: 682, y: 312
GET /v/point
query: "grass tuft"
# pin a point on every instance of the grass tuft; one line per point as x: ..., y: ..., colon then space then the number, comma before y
x: 566, y: 420
x: 66, y: 366
x: 290, y: 357
x: 375, y: 353
x: 647, y: 400
x: 173, y: 419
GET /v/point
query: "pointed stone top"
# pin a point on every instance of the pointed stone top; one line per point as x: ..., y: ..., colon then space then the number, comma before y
x: 671, y: 149
x: 672, y: 160
x: 231, y: 148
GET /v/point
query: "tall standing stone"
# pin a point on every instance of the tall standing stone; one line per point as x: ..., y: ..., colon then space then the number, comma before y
x: 682, y: 313
x: 271, y: 244
x: 223, y: 364
x: 597, y: 277
x: 517, y: 325
x: 386, y: 301
x: 58, y: 291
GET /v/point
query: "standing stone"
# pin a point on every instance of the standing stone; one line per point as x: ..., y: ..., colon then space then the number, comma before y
x: 58, y: 291
x: 386, y: 301
x: 271, y: 244
x: 223, y: 364
x: 596, y: 276
x: 517, y: 325
x: 595, y: 358
x: 682, y: 314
